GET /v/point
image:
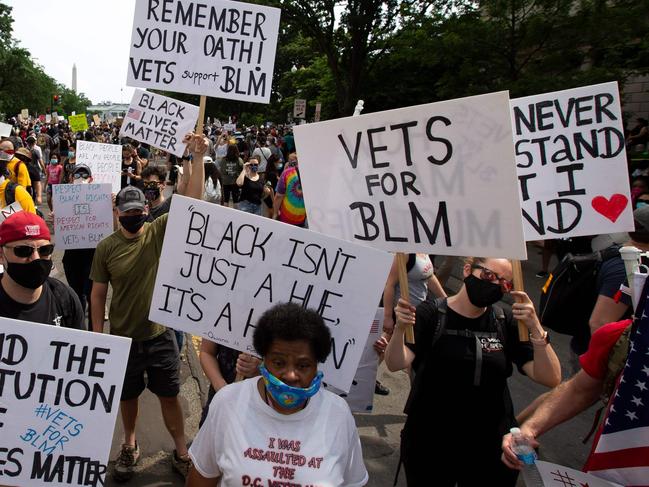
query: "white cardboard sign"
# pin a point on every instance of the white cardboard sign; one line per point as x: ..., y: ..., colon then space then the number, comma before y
x: 159, y: 121
x: 5, y: 129
x: 437, y: 178
x: 230, y: 127
x: 59, y: 431
x: 571, y: 163
x: 223, y: 268
x: 7, y: 211
x: 104, y: 160
x: 360, y: 397
x: 299, y: 108
x: 554, y: 475
x: 83, y: 215
x: 216, y: 48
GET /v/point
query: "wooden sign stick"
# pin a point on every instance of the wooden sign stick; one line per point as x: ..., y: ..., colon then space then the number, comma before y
x: 523, y: 332
x: 201, y: 114
x: 402, y: 260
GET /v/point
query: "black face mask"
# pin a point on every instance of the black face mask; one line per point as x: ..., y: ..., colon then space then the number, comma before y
x: 152, y: 194
x: 482, y: 293
x: 133, y: 223
x: 31, y: 275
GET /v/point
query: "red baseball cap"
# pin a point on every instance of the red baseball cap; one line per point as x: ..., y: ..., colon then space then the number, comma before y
x: 23, y: 225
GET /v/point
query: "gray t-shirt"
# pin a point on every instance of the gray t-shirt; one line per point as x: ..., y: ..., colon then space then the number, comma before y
x: 417, y: 280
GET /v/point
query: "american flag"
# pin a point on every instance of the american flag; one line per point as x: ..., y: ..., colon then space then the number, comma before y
x: 134, y: 114
x: 621, y: 451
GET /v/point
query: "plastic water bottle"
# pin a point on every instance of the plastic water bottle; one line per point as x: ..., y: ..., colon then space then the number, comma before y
x: 526, y: 454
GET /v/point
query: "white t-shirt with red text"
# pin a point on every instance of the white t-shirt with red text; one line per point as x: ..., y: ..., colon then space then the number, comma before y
x: 246, y: 442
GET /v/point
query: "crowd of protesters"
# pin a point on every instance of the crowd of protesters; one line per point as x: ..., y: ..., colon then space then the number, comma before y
x: 257, y: 171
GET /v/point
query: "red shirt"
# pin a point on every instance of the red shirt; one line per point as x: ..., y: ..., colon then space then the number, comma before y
x: 595, y: 360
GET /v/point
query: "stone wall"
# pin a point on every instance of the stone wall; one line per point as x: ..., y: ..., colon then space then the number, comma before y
x: 635, y: 100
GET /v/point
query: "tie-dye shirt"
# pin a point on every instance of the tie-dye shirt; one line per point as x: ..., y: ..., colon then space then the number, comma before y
x: 292, y: 208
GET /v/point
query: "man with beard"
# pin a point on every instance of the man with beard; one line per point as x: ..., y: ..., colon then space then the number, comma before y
x: 26, y: 291
x: 128, y: 260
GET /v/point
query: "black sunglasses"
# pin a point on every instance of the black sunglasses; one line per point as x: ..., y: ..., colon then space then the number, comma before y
x: 25, y: 251
x: 488, y: 275
x: 78, y: 175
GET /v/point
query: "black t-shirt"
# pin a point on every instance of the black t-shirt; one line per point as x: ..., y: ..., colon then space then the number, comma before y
x: 447, y: 396
x: 252, y: 190
x: 161, y: 209
x: 66, y: 313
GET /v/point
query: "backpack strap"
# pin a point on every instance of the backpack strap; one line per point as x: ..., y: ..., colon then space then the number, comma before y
x: 10, y: 193
x: 497, y: 316
x: 62, y: 300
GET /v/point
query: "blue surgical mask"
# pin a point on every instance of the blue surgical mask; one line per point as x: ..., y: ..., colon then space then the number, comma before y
x: 641, y: 204
x: 71, y: 154
x: 54, y: 161
x: 287, y: 396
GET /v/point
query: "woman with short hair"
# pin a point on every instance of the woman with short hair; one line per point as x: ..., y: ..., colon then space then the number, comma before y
x: 281, y: 427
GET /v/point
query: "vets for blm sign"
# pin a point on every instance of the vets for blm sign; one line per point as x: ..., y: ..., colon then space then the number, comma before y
x: 216, y: 48
x: 571, y: 163
x: 223, y: 268
x: 437, y: 178
x: 59, y: 397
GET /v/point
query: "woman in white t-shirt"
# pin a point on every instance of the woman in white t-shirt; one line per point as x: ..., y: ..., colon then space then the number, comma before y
x: 281, y: 427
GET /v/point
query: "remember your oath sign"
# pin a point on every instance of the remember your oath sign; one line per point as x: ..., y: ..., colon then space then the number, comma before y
x: 223, y: 268
x: 216, y: 48
x: 571, y: 163
x: 59, y: 398
x: 437, y: 178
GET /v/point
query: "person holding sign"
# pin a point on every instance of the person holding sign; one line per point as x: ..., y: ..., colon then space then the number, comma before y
x: 26, y: 291
x: 131, y: 167
x: 252, y: 187
x: 128, y: 260
x: 282, y: 428
x: 463, y: 353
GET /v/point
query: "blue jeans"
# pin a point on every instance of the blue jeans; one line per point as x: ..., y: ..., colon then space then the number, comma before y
x: 249, y: 207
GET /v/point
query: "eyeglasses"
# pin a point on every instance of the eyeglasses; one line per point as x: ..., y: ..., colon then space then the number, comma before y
x: 79, y: 175
x: 25, y: 251
x: 488, y: 275
x: 151, y: 184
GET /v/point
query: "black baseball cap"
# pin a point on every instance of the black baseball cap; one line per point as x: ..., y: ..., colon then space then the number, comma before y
x: 81, y: 168
x: 130, y: 198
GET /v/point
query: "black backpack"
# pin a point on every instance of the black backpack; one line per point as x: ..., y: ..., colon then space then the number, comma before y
x: 569, y: 295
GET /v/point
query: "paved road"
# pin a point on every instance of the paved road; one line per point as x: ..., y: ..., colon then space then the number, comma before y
x: 379, y: 430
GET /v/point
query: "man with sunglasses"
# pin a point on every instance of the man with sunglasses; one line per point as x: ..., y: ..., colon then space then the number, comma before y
x: 153, y: 185
x: 26, y: 291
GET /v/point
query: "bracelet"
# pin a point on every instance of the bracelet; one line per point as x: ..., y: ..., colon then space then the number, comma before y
x: 541, y: 342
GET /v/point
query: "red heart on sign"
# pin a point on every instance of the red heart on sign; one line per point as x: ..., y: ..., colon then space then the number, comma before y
x: 612, y: 208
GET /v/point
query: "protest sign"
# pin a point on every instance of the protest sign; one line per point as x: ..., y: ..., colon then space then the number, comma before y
x: 299, y: 108
x: 216, y: 48
x: 78, y: 123
x: 42, y: 118
x: 571, y: 163
x: 48, y: 118
x: 554, y: 475
x: 159, y: 121
x: 5, y: 129
x: 83, y: 215
x: 104, y: 160
x: 96, y: 119
x: 360, y: 397
x: 55, y: 117
x: 223, y: 268
x: 437, y: 178
x: 230, y: 127
x: 59, y: 398
x: 25, y: 113
x: 7, y: 211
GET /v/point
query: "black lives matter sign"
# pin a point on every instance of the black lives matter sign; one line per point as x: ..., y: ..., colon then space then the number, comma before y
x: 221, y: 49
